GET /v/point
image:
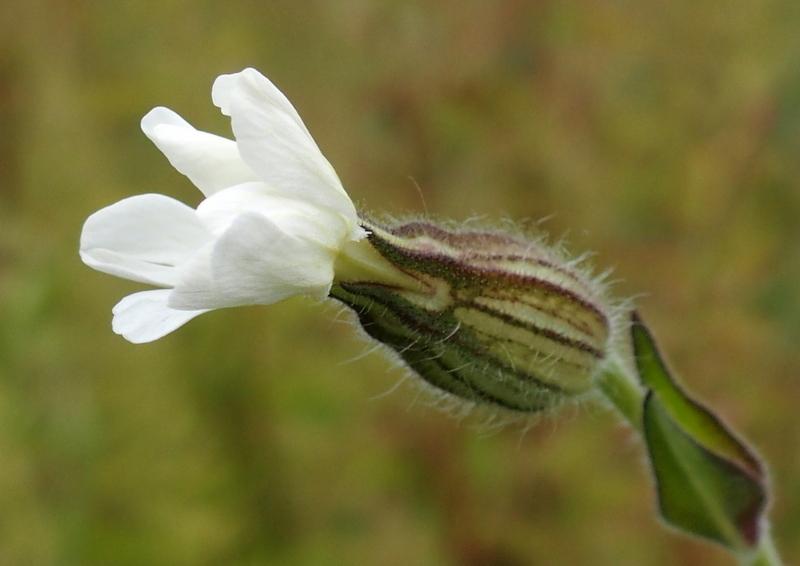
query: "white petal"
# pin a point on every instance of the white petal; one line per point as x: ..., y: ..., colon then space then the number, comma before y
x: 293, y: 217
x: 143, y: 238
x: 274, y: 142
x: 159, y: 116
x: 144, y: 317
x: 194, y: 290
x: 224, y: 85
x: 211, y: 162
x: 255, y: 262
x: 127, y: 267
x: 221, y: 91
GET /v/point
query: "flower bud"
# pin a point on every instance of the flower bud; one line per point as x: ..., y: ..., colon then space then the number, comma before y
x: 488, y: 317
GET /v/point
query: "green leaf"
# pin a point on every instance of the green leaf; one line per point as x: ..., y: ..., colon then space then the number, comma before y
x: 709, y: 482
x: 699, y: 491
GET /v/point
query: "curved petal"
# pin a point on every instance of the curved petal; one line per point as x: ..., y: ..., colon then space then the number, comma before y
x: 194, y: 290
x: 144, y: 317
x: 255, y: 262
x: 127, y: 267
x: 224, y: 85
x: 276, y: 145
x: 162, y: 116
x: 293, y: 217
x: 142, y: 238
x: 211, y: 162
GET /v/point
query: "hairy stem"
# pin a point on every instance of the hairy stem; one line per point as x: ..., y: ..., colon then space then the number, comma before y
x: 621, y: 387
x: 765, y: 555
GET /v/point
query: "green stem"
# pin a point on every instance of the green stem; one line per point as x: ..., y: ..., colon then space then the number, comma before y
x: 765, y: 555
x: 621, y: 387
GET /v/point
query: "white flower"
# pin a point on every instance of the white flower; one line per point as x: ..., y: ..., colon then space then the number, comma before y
x: 274, y: 220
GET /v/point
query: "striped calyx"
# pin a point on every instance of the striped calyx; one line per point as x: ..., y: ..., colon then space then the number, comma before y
x: 492, y: 319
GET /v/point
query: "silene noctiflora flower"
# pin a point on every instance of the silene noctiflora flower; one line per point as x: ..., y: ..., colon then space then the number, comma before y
x: 486, y: 316
x: 490, y: 318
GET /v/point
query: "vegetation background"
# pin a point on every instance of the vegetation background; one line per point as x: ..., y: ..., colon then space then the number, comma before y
x: 665, y: 136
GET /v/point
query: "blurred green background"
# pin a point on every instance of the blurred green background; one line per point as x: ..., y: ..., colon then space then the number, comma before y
x: 665, y: 136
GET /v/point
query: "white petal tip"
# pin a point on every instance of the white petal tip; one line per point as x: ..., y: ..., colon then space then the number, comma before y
x: 162, y: 116
x: 145, y: 317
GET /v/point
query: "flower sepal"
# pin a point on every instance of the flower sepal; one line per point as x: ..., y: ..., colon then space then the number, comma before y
x: 490, y: 318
